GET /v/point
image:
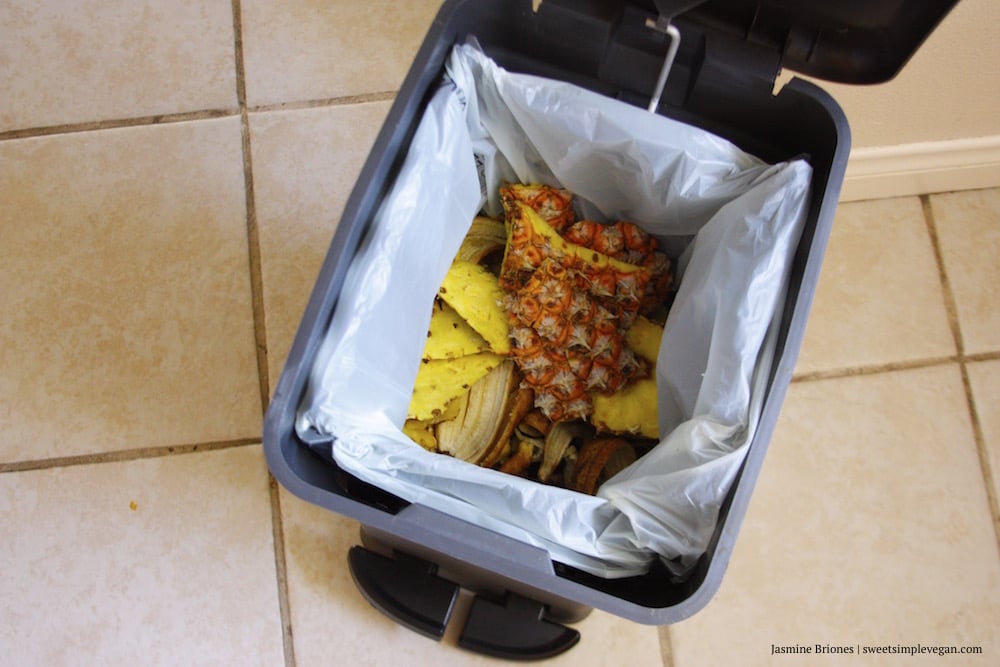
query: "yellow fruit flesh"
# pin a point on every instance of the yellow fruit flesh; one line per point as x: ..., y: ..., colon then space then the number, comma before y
x: 631, y: 410
x: 449, y: 336
x: 476, y: 296
x: 422, y: 433
x: 644, y: 338
x: 440, y: 381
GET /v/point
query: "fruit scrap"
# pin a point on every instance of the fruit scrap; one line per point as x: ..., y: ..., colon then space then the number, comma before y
x: 521, y: 460
x: 554, y: 205
x: 644, y: 337
x: 627, y: 242
x: 560, y: 437
x: 518, y: 406
x: 541, y: 343
x: 633, y: 410
x: 569, y: 308
x: 530, y: 240
x: 629, y: 411
x: 440, y: 381
x: 480, y: 430
x: 599, y: 460
x: 485, y: 238
x: 475, y: 295
x: 449, y: 336
x: 537, y: 422
x: 422, y: 433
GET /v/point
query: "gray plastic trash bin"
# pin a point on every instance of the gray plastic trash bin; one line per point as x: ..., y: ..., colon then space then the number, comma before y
x: 414, y: 559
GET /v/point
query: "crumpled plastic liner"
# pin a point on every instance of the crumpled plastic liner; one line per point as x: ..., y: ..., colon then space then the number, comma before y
x: 738, y: 221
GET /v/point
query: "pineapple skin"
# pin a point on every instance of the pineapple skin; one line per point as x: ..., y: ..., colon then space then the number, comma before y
x: 569, y: 307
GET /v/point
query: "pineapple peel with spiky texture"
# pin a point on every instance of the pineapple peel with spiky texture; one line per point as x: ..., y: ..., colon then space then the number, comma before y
x: 570, y: 306
x: 530, y: 240
x: 554, y: 205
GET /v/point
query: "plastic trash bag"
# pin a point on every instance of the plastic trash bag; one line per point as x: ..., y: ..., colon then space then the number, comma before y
x: 732, y: 221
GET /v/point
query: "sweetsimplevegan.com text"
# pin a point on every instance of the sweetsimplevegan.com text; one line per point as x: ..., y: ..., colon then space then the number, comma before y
x: 874, y: 649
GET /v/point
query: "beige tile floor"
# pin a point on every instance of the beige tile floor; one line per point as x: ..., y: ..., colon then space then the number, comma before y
x: 170, y: 175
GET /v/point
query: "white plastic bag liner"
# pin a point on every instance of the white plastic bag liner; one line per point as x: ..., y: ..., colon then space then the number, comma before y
x: 739, y: 221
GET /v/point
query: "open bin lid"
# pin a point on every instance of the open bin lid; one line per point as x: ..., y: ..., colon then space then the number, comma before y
x: 846, y: 41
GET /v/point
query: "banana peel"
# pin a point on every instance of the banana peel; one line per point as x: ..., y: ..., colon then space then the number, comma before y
x: 477, y: 430
x: 485, y: 237
x: 599, y: 460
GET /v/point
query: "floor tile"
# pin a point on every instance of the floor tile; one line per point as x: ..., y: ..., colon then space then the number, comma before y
x: 307, y: 50
x: 110, y: 59
x: 870, y: 526
x: 984, y: 376
x: 879, y: 297
x: 305, y: 165
x: 968, y: 228
x: 156, y: 561
x: 330, y: 617
x: 125, y: 292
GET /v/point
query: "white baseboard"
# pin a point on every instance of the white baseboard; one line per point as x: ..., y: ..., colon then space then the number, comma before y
x: 916, y: 169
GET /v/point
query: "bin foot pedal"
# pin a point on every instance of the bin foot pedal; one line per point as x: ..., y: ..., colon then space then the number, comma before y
x: 514, y: 630
x: 409, y: 591
x: 406, y: 590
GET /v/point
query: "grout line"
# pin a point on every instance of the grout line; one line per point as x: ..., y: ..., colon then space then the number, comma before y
x: 874, y: 368
x: 666, y: 646
x: 256, y: 273
x: 260, y: 333
x: 956, y: 330
x: 186, y: 116
x: 123, y: 455
x: 982, y: 356
x: 281, y: 571
x: 951, y: 310
x: 982, y: 451
x: 949, y: 298
x: 325, y: 102
x: 72, y: 128
x: 253, y: 231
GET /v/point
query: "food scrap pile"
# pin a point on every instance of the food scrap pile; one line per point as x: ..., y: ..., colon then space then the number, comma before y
x: 542, y: 342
